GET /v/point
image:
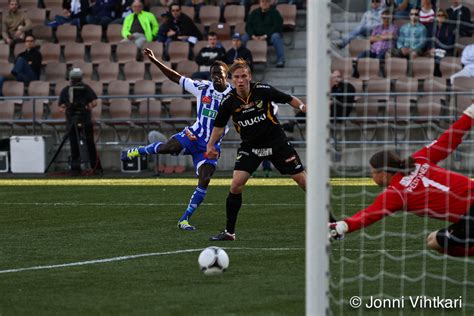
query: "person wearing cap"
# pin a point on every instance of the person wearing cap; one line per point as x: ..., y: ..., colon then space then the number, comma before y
x: 139, y: 27
x: 238, y: 51
x: 77, y: 100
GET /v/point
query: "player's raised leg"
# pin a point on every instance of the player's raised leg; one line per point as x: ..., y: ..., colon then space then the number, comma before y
x: 171, y: 147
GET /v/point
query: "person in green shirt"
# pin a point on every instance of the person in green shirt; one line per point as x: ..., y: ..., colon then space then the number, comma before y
x: 140, y: 26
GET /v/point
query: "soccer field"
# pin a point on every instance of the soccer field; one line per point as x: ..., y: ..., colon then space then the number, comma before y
x: 115, y: 249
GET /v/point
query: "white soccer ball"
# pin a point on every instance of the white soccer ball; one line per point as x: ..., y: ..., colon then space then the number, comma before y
x: 213, y: 260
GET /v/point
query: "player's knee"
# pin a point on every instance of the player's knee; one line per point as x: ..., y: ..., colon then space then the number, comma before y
x: 432, y: 242
x: 236, y: 188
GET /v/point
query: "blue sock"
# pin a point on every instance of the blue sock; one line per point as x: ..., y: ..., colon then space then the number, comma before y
x: 196, y: 200
x: 149, y: 149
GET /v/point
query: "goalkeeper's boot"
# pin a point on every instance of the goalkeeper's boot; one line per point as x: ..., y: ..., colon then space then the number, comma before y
x: 223, y: 235
x: 184, y: 225
x: 130, y: 154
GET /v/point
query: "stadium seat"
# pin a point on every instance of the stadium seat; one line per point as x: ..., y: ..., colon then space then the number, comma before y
x: 227, y: 44
x: 170, y: 88
x: 56, y: 119
x: 428, y: 106
x: 178, y: 51
x: 52, y: 3
x: 209, y: 14
x: 157, y: 75
x: 39, y: 88
x: 460, y: 102
x: 118, y: 88
x: 4, y: 53
x: 13, y: 89
x: 358, y: 45
x: 36, y: 15
x: 435, y: 84
x: 222, y: 30
x: 144, y: 87
x: 31, y: 114
x: 96, y: 86
x: 19, y: 48
x: 234, y: 14
x: 188, y: 10
x: 5, y: 68
x: 59, y: 86
x: 288, y: 13
x: 133, y: 71
x: 381, y: 86
x: 53, y: 11
x: 396, y: 68
x: 369, y: 68
x: 407, y: 85
x: 149, y: 114
x: 120, y: 116
x: 55, y: 71
x: 7, y: 112
x: 423, y: 67
x: 43, y: 33
x: 126, y: 52
x: 91, y: 34
x: 66, y: 33
x: 108, y: 71
x: 240, y: 28
x: 158, y: 11
x: 87, y: 68
x: 344, y: 65
x: 74, y: 52
x: 114, y: 33
x: 157, y: 49
x: 198, y: 46
x: 51, y: 52
x: 259, y: 51
x: 187, y: 68
x: 180, y: 113
x: 100, y: 52
x: 449, y: 66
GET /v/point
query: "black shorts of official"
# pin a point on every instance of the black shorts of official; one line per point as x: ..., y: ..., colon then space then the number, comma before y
x: 283, y: 156
x: 458, y: 234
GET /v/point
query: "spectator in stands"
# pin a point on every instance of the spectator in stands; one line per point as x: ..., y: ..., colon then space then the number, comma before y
x: 238, y: 51
x: 123, y: 9
x: 74, y: 12
x: 370, y: 20
x: 461, y: 16
x: 102, y: 12
x: 207, y: 56
x: 402, y: 8
x: 266, y: 24
x: 179, y: 27
x: 441, y: 37
x: 427, y: 14
x: 341, y: 106
x: 139, y: 27
x: 27, y: 65
x: 382, y: 38
x: 15, y: 24
x: 467, y: 59
x: 411, y: 38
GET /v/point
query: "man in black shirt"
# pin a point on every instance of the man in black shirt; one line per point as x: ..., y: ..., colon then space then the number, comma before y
x: 250, y: 106
x: 77, y: 100
x: 341, y: 106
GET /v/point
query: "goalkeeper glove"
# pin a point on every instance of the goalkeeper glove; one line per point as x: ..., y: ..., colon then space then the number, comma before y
x: 470, y: 111
x: 337, y: 230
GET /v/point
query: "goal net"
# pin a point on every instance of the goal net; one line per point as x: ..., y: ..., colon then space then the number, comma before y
x: 390, y: 102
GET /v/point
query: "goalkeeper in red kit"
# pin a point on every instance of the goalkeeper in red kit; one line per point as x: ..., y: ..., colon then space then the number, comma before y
x: 419, y: 186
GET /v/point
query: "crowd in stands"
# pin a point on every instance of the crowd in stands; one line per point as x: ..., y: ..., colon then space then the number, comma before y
x: 141, y: 22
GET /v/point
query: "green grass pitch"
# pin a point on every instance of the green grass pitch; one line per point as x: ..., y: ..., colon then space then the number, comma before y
x: 81, y: 226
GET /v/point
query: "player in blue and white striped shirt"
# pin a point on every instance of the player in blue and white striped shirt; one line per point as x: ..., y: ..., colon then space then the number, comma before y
x: 193, y: 139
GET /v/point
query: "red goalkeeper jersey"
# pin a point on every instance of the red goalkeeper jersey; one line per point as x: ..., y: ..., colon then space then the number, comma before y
x: 429, y: 190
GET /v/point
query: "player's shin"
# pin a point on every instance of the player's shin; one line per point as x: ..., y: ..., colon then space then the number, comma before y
x: 196, y: 200
x: 233, y: 204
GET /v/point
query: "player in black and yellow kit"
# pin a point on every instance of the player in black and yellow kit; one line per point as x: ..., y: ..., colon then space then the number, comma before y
x: 250, y: 106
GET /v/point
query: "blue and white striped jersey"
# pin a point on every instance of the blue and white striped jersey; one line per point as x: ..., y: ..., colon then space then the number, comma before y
x: 208, y: 102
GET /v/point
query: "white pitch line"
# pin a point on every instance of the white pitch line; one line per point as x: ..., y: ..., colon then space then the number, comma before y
x: 138, y: 204
x: 143, y: 255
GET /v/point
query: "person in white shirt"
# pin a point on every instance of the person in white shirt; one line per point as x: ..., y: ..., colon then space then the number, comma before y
x: 467, y: 59
x: 369, y: 21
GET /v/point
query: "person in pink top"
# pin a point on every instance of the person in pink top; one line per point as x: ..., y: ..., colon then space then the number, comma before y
x: 419, y: 186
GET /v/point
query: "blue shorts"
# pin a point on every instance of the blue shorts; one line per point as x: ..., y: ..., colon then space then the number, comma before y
x: 196, y: 148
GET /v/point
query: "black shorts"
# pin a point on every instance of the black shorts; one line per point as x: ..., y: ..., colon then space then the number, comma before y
x: 458, y: 234
x: 283, y: 156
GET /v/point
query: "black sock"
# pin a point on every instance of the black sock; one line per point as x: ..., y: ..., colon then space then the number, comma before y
x: 233, y: 204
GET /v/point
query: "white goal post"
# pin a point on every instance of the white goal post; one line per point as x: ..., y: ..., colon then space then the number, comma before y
x: 317, y: 157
